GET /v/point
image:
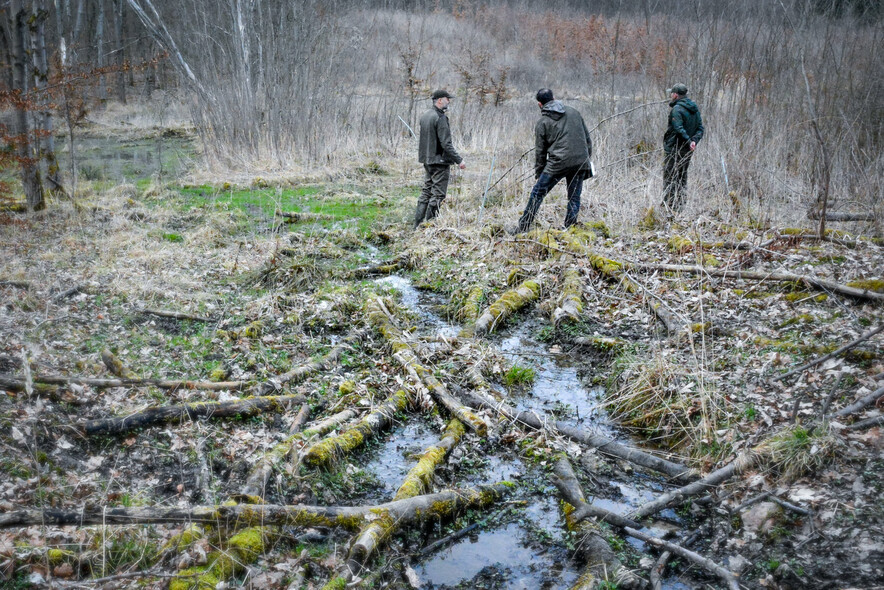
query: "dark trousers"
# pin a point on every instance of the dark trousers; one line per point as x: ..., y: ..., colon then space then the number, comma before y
x: 436, y: 178
x: 542, y: 187
x: 675, y: 177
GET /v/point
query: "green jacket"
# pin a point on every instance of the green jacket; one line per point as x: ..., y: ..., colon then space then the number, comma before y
x: 561, y: 141
x: 434, y: 146
x: 685, y: 125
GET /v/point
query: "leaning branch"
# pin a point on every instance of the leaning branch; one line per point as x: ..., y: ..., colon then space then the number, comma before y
x: 834, y: 353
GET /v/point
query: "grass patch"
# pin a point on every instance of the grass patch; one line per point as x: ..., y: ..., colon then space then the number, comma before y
x: 518, y: 376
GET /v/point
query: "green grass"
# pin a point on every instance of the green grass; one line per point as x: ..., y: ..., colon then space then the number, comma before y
x: 519, y: 376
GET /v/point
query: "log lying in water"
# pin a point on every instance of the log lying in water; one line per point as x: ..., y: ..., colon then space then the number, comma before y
x: 506, y: 305
x: 251, y: 406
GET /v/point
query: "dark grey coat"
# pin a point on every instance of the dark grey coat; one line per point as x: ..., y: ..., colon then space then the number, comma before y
x: 434, y: 145
x: 561, y: 141
x: 685, y: 125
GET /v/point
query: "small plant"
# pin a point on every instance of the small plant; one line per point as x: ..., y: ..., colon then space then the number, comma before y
x: 519, y: 376
x: 750, y: 412
x: 798, y: 451
x: 173, y: 237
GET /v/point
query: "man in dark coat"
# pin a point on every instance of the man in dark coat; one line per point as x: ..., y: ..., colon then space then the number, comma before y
x: 562, y: 148
x: 437, y: 154
x: 682, y: 136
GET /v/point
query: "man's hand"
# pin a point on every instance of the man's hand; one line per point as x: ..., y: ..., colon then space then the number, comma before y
x: 463, y: 166
x: 693, y: 145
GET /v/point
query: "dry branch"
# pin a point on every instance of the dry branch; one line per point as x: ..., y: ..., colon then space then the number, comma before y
x: 860, y: 403
x: 298, y: 374
x: 576, y: 499
x: 17, y: 284
x: 9, y: 380
x: 834, y: 353
x: 739, y: 465
x: 604, y: 444
x: 176, y: 315
x: 160, y: 415
x: 868, y: 423
x: 380, y: 318
x: 830, y: 216
x: 784, y: 277
x: 421, y: 508
x: 328, y: 450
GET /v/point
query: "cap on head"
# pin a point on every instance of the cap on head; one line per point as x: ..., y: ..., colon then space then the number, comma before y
x: 544, y: 95
x: 679, y: 89
x: 441, y: 93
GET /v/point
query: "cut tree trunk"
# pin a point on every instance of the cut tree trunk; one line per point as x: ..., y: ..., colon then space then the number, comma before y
x: 161, y: 415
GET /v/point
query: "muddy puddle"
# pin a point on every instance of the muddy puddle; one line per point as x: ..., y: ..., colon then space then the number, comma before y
x: 527, y: 546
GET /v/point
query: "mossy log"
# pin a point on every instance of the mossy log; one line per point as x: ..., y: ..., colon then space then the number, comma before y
x: 106, y: 383
x: 418, y: 509
x: 469, y: 311
x: 743, y: 462
x: 244, y: 408
x: 382, y: 269
x: 417, y: 482
x: 569, y: 306
x: 328, y: 450
x: 256, y: 482
x: 241, y: 549
x: 506, y: 305
x: 603, y: 444
x: 578, y: 500
x: 780, y: 277
x: 594, y: 550
x: 300, y: 216
x: 116, y: 366
x: 381, y: 319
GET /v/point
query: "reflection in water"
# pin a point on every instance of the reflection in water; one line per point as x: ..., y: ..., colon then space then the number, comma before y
x: 129, y: 161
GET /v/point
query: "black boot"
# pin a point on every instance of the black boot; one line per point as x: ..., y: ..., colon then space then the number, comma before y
x: 420, y: 214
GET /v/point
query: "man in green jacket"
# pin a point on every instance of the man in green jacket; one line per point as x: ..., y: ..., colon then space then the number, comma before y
x: 437, y: 154
x: 562, y: 148
x: 684, y: 132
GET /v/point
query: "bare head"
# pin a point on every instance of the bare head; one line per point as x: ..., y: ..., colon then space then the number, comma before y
x: 544, y: 95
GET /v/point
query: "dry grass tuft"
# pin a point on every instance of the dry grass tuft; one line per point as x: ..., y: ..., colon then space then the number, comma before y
x: 799, y: 450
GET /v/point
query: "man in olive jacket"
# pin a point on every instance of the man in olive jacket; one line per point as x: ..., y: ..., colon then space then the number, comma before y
x: 684, y: 132
x: 562, y: 148
x: 437, y: 154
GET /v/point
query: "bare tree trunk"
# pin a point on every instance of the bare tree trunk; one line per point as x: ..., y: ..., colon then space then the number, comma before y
x: 46, y: 141
x: 120, y: 52
x: 32, y: 181
x: 99, y: 47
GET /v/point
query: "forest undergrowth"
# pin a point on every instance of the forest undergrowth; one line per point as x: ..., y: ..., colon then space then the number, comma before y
x: 184, y: 294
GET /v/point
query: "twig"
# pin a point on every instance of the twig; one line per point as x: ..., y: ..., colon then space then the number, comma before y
x: 115, y: 577
x: 68, y: 292
x: 826, y: 357
x: 174, y: 315
x: 860, y: 403
x: 510, y: 169
x: 792, y: 507
x: 615, y: 115
x: 868, y: 423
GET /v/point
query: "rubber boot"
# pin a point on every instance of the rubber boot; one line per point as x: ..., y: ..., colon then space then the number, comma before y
x: 420, y: 214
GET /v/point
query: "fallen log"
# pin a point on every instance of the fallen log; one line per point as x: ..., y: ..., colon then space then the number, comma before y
x: 693, y: 557
x: 299, y: 216
x: 381, y: 319
x: 836, y: 216
x: 106, y: 383
x: 867, y: 423
x: 299, y: 373
x: 596, y: 553
x: 160, y: 415
x: 17, y: 284
x: 834, y: 353
x: 782, y: 277
x: 569, y: 305
x: 603, y: 444
x: 743, y: 462
x: 328, y: 450
x: 381, y: 269
x: 420, y: 508
x: 418, y: 481
x: 506, y: 305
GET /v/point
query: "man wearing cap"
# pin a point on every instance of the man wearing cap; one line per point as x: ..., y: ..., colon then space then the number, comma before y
x: 437, y: 154
x: 679, y: 142
x: 562, y: 148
